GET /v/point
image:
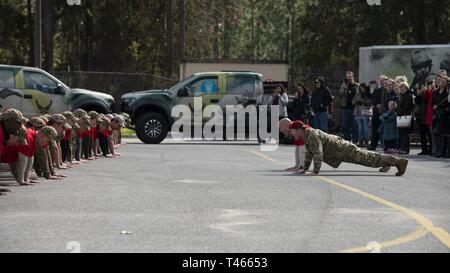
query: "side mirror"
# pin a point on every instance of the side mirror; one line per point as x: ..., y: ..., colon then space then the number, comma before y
x: 59, y: 90
x: 183, y: 92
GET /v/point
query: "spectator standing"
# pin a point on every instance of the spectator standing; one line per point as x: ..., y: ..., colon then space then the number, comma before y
x: 405, y: 108
x: 440, y: 116
x: 362, y: 113
x: 423, y: 100
x: 376, y: 100
x: 348, y: 91
x: 280, y: 98
x: 320, y: 100
x: 390, y: 95
x: 302, y: 102
x: 388, y: 129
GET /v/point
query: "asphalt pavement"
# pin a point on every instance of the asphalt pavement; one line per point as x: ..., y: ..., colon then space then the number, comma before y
x: 228, y: 197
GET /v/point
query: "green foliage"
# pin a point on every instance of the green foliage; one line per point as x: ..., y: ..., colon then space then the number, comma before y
x: 130, y: 35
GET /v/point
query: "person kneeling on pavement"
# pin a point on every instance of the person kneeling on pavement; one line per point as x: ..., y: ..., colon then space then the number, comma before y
x: 43, y: 162
x: 14, y: 153
x: 333, y: 150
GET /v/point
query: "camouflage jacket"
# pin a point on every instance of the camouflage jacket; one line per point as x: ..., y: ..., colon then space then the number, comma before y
x: 322, y: 147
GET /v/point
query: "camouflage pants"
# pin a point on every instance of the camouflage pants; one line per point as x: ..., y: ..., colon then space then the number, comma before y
x: 371, y: 159
x: 41, y: 162
x: 86, y: 147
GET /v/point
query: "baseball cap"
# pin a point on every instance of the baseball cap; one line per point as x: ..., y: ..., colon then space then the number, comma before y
x: 37, y: 122
x: 50, y: 132
x: 14, y: 114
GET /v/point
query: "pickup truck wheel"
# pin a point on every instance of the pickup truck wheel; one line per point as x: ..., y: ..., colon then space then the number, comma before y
x: 151, y: 128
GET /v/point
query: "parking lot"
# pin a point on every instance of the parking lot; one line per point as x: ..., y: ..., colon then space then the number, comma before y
x: 228, y: 197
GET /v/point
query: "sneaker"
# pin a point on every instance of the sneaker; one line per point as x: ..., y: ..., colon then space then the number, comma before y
x: 401, y: 166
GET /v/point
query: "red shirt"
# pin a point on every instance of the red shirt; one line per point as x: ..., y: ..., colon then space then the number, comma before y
x: 67, y: 134
x: 299, y: 142
x: 94, y: 133
x: 83, y: 134
x: 106, y: 132
x: 10, y: 154
x: 30, y: 149
x: 429, y: 96
x: 2, y: 138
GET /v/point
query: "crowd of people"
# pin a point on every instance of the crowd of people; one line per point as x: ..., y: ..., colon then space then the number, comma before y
x: 37, y: 147
x: 392, y: 110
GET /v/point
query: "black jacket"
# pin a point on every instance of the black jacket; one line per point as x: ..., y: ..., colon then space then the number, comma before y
x: 422, y: 107
x: 406, y: 104
x: 441, y: 114
x: 376, y: 99
x: 320, y: 99
x: 301, y: 105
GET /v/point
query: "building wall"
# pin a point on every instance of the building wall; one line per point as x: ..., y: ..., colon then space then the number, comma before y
x: 275, y: 72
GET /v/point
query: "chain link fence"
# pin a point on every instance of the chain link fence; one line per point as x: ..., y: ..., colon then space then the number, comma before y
x: 114, y: 83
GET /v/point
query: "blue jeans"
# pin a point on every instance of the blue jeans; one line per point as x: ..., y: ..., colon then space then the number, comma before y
x: 348, y: 125
x: 363, y: 128
x: 321, y: 121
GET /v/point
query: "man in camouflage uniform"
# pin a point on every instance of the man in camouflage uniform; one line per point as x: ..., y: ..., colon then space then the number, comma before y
x: 70, y: 137
x: 12, y: 121
x: 36, y: 123
x: 44, y: 166
x: 84, y: 124
x: 59, y: 122
x: 333, y: 150
x: 93, y: 139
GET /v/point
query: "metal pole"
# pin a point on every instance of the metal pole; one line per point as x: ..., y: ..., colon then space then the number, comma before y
x: 38, y: 35
x: 182, y: 30
x: 169, y: 33
x: 253, y: 30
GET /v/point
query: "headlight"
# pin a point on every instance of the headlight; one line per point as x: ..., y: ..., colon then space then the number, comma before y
x: 128, y: 101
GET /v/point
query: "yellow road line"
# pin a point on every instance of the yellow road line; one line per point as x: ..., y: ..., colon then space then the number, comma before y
x: 264, y: 156
x: 440, y: 233
x: 402, y: 240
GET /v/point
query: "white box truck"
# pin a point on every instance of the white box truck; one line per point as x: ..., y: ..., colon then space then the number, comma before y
x: 417, y: 62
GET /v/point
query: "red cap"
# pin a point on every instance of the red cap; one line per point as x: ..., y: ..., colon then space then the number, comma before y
x: 296, y: 124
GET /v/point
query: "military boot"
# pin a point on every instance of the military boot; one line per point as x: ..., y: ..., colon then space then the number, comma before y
x: 385, y: 169
x: 401, y: 166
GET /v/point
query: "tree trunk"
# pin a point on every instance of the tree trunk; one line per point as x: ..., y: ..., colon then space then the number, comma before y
x: 48, y: 34
x: 226, y: 30
x: 169, y: 37
x: 182, y: 31
x: 419, y: 19
x: 88, y: 44
x: 30, y: 33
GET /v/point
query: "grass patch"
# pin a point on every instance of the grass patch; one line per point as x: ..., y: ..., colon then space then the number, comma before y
x: 128, y: 132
